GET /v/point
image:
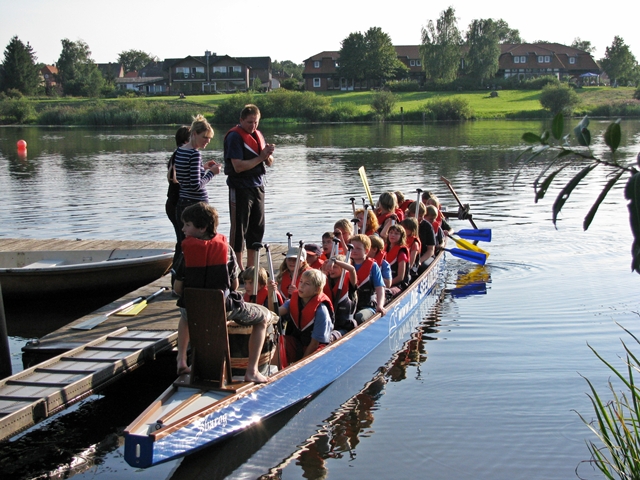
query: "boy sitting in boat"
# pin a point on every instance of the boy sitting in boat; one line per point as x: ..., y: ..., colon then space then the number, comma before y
x: 313, y: 255
x: 310, y: 317
x: 344, y: 299
x: 426, y: 236
x: 370, y: 289
x: 209, y: 262
x: 327, y: 245
x: 262, y: 298
x: 378, y: 254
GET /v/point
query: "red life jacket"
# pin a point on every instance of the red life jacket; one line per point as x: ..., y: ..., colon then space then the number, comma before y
x: 205, y: 262
x: 411, y: 240
x: 317, y: 264
x: 250, y: 142
x: 379, y: 257
x: 392, y: 258
x: 400, y: 214
x: 262, y: 298
x: 366, y: 291
x: 333, y: 293
x: 304, y: 319
x: 383, y: 218
x: 437, y: 223
x: 286, y: 281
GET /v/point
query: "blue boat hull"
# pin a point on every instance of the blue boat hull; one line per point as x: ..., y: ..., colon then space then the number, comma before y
x: 287, y: 389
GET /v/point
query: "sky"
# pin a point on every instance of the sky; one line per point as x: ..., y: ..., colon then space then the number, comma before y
x: 284, y: 29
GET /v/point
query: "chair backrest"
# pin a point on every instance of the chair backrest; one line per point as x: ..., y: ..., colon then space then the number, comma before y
x: 207, y: 319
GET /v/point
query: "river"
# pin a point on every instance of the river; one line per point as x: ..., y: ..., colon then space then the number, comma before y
x: 489, y: 385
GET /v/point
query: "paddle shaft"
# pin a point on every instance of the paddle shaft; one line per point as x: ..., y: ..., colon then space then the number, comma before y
x: 294, y: 277
x: 346, y: 260
x: 95, y: 321
x: 365, y: 182
x: 455, y: 195
x: 274, y: 297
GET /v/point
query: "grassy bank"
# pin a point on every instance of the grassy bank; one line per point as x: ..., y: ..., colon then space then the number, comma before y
x: 303, y: 106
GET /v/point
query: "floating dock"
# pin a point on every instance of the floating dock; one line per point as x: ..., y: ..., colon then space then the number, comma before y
x: 80, y: 362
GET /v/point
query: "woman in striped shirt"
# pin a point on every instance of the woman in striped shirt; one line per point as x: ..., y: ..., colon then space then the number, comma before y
x: 191, y: 174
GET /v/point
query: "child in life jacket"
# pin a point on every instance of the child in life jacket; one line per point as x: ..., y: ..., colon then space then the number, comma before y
x: 262, y: 297
x: 370, y: 286
x: 310, y: 317
x: 313, y: 252
x: 327, y: 245
x: 413, y: 242
x: 372, y: 221
x: 386, y: 213
x: 432, y: 216
x: 378, y: 254
x: 398, y: 257
x: 429, y: 198
x: 342, y: 230
x: 426, y: 235
x: 344, y: 299
x: 403, y: 202
x: 285, y: 275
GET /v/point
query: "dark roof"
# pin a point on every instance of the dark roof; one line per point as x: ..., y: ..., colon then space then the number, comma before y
x: 256, y: 62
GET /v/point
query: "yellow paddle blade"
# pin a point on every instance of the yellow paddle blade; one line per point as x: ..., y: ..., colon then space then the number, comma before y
x: 133, y: 309
x: 468, y: 245
x: 363, y: 176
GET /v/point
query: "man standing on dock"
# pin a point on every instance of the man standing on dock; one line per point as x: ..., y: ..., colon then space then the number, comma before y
x: 245, y: 156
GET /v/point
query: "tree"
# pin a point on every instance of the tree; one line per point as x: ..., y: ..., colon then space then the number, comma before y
x: 287, y: 68
x: 353, y: 52
x: 441, y: 47
x: 381, y: 59
x: 383, y: 102
x: 134, y: 60
x: 506, y: 34
x: 19, y: 69
x: 484, y: 49
x: 619, y: 62
x: 76, y: 71
x: 584, y: 45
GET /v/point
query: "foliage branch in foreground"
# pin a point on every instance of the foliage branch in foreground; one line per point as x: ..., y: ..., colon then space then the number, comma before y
x: 564, y: 156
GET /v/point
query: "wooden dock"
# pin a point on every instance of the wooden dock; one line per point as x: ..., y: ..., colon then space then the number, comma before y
x: 78, y: 363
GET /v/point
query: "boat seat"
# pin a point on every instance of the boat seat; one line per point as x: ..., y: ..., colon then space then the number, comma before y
x: 45, y: 263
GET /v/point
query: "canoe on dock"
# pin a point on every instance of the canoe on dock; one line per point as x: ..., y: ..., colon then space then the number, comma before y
x: 191, y: 415
x: 59, y: 272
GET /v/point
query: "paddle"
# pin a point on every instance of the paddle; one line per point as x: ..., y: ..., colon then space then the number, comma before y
x: 346, y: 260
x: 468, y: 245
x: 294, y: 277
x: 256, y: 266
x: 353, y: 206
x: 482, y: 235
x: 289, y: 235
x: 282, y: 354
x: 95, y: 321
x: 138, y: 307
x: 363, y: 176
x: 419, y: 192
x: 355, y: 222
x: 475, y: 257
x: 455, y: 195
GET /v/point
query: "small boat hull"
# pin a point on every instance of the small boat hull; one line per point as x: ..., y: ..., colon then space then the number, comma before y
x: 25, y: 274
x: 216, y: 416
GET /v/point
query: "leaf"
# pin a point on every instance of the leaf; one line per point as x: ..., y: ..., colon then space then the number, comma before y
x: 592, y: 212
x: 536, y: 152
x: 563, y: 196
x: 545, y: 136
x: 545, y: 185
x: 561, y: 154
x: 612, y: 135
x: 531, y: 138
x: 558, y: 126
x: 582, y: 135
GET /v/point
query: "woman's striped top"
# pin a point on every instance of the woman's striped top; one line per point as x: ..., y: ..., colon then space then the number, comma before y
x: 191, y: 175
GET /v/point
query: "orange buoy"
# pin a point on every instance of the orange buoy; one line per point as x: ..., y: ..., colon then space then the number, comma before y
x: 21, y: 144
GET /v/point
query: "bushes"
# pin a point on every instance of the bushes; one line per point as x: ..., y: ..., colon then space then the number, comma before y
x: 629, y: 108
x: 16, y: 110
x: 636, y: 94
x: 383, y: 102
x: 559, y: 98
x: 454, y: 108
x: 403, y: 86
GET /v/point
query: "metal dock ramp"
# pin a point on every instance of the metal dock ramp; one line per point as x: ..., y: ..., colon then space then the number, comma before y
x: 51, y: 386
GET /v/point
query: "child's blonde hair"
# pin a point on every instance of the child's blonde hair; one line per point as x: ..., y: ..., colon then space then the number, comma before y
x: 422, y: 210
x: 200, y: 125
x: 410, y: 224
x: 363, y: 239
x: 248, y: 273
x: 388, y: 201
x: 344, y: 224
x: 432, y: 211
x: 376, y: 242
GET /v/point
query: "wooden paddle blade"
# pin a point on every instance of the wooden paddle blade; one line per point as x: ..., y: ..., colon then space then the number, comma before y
x: 133, y: 309
x: 480, y: 235
x: 365, y: 182
x: 475, y: 257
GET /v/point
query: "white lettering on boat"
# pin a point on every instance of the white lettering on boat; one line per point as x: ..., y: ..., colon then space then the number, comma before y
x: 205, y: 424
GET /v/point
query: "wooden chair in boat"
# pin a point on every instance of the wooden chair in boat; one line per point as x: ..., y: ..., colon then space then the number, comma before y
x: 210, y: 354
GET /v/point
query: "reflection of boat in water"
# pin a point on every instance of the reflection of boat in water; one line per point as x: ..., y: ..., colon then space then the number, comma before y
x: 186, y: 417
x: 343, y: 430
x: 29, y: 273
x: 471, y: 283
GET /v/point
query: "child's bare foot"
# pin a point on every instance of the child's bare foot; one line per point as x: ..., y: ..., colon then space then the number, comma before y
x: 183, y: 369
x: 256, y: 377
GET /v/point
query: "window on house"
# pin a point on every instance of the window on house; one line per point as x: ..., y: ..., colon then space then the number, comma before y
x: 412, y: 63
x: 219, y: 69
x: 316, y: 64
x: 316, y: 83
x: 547, y: 59
x: 418, y: 63
x: 540, y: 59
x: 523, y: 59
x: 516, y: 59
x: 572, y: 60
x: 236, y: 68
x: 337, y: 64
